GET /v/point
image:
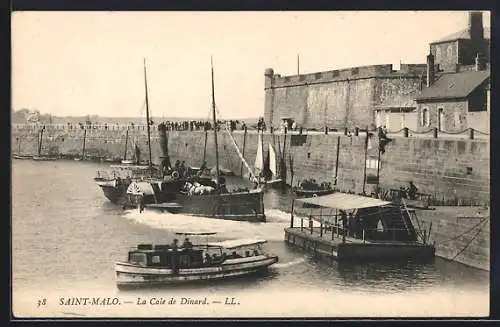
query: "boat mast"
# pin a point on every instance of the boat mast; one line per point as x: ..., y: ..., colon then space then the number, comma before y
x: 215, y: 126
x: 126, y: 145
x: 41, y: 140
x: 84, y: 139
x: 147, y: 117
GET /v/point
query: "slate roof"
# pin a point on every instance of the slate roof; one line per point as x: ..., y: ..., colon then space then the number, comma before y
x: 454, y: 85
x: 463, y: 34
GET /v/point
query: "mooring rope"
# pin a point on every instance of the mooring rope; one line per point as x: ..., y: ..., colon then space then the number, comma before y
x: 470, y: 241
x: 467, y: 231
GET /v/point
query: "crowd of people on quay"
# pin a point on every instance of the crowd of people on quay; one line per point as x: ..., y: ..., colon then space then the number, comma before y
x: 199, y: 125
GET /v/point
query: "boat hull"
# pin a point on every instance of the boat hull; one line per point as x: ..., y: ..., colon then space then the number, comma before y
x: 42, y: 158
x: 134, y: 275
x: 244, y: 206
x: 114, y: 192
x: 21, y: 156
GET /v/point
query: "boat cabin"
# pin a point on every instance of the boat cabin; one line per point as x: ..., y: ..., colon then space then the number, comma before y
x: 126, y: 172
x: 195, y: 256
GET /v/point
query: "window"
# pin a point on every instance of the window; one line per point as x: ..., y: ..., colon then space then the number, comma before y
x: 469, y: 170
x: 137, y: 258
x: 457, y: 119
x: 441, y: 119
x: 308, y: 155
x: 378, y: 118
x: 425, y: 117
x: 438, y: 53
x: 155, y: 259
x: 372, y: 163
x: 449, y: 52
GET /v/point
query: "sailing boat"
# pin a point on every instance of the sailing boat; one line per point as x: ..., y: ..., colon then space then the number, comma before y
x: 211, y: 199
x: 83, y: 149
x: 18, y: 155
x: 268, y: 168
x: 116, y: 183
x: 41, y: 157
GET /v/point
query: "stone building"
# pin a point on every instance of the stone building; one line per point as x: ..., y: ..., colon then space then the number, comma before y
x: 456, y: 101
x: 351, y: 97
x: 456, y: 96
x: 379, y: 95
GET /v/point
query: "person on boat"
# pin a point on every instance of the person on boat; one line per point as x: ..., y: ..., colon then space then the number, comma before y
x: 183, y: 170
x: 235, y: 255
x: 222, y: 185
x: 175, y: 244
x: 350, y: 224
x: 412, y: 191
x: 343, y: 218
x: 203, y: 167
x: 187, y: 244
x: 141, y: 203
x: 177, y: 165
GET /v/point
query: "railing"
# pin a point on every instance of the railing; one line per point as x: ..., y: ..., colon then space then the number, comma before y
x: 363, y: 234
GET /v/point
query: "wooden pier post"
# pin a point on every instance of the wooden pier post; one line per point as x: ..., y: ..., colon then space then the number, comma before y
x: 364, y: 163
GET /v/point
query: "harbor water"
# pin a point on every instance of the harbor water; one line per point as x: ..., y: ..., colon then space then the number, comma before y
x: 66, y: 237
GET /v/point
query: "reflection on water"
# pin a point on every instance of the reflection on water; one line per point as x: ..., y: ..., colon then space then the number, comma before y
x: 73, y: 235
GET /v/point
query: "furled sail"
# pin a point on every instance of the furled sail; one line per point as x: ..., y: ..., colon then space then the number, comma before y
x: 259, y: 159
x: 272, y: 161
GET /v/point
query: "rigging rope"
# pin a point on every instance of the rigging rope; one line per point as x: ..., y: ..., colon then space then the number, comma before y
x: 252, y: 174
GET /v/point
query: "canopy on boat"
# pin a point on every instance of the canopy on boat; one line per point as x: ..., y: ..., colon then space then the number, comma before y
x: 344, y: 201
x: 232, y: 244
x: 195, y: 233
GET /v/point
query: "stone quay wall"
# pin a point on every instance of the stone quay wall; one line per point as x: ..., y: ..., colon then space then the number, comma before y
x: 447, y: 169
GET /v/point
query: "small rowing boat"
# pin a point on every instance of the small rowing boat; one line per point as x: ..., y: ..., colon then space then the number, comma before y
x: 21, y: 156
x: 309, y: 193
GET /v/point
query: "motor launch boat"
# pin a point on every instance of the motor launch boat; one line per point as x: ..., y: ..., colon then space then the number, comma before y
x: 178, y: 264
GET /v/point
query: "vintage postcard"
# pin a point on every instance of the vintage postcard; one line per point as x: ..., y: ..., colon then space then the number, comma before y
x: 250, y: 164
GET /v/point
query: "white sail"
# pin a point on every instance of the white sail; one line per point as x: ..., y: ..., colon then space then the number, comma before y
x: 272, y: 161
x: 259, y: 159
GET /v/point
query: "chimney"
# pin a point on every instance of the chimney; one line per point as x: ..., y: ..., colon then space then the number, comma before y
x: 476, y: 30
x: 430, y: 69
x: 162, y: 133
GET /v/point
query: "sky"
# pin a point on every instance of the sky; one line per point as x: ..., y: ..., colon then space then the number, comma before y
x: 80, y: 63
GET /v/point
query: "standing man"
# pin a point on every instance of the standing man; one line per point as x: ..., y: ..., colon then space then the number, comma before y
x: 343, y: 217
